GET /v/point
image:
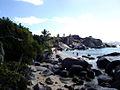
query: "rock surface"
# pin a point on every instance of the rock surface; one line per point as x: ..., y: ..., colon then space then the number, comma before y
x: 102, y: 62
x: 74, y: 74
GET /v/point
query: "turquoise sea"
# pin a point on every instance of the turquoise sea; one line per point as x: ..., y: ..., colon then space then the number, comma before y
x: 94, y: 53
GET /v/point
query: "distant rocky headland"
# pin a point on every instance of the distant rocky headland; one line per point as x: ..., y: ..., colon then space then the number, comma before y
x: 76, y: 42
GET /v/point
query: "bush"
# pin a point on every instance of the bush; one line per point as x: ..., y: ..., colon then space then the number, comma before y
x: 0, y: 52
x: 12, y: 75
x: 17, y: 41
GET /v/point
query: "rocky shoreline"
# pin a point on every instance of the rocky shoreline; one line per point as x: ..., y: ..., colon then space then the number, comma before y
x: 76, y: 42
x: 65, y: 72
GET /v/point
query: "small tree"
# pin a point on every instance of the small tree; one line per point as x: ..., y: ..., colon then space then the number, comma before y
x: 46, y: 34
x: 58, y: 39
x: 64, y: 35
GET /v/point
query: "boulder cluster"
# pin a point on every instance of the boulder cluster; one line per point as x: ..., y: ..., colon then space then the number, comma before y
x: 76, y: 42
x: 72, y: 74
x: 112, y: 72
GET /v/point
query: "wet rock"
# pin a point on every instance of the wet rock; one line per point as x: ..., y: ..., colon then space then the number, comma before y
x: 47, y: 72
x: 75, y: 79
x: 37, y: 63
x: 109, y: 69
x: 32, y: 82
x: 80, y: 47
x: 91, y: 88
x: 113, y: 54
x: 38, y: 87
x: 87, y: 79
x: 80, y: 82
x: 48, y: 88
x: 99, y: 57
x: 60, y: 49
x: 66, y: 86
x: 57, y: 56
x: 106, y: 88
x: 68, y: 62
x: 33, y: 68
x: 90, y: 74
x: 109, y: 45
x: 105, y: 84
x: 46, y: 54
x: 102, y: 62
x: 93, y: 43
x: 116, y: 84
x: 82, y: 73
x: 60, y: 89
x: 33, y: 76
x: 104, y: 80
x: 47, y: 65
x: 87, y: 88
x: 69, y: 87
x: 65, y: 80
x: 88, y: 57
x: 117, y: 73
x: 64, y: 73
x: 49, y: 81
x: 57, y: 69
x: 40, y: 68
x: 60, y: 59
x: 54, y: 62
x: 91, y: 58
x: 111, y: 66
x: 97, y: 72
x: 75, y: 69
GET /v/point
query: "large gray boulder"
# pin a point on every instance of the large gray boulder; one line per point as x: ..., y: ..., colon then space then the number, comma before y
x: 111, y: 66
x: 102, y: 62
x: 68, y: 62
x: 93, y: 43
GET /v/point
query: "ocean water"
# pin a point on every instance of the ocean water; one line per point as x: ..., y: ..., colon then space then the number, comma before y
x: 94, y: 53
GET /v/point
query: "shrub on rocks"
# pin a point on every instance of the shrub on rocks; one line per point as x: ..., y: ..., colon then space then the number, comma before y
x: 13, y: 76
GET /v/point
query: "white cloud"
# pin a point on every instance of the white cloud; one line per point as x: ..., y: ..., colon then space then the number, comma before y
x: 85, y: 17
x: 35, y: 2
x: 30, y: 20
x: 86, y: 25
x: 63, y: 20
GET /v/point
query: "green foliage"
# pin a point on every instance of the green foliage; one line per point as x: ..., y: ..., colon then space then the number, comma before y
x: 20, y: 49
x: 43, y: 40
x: 17, y: 40
x: 0, y: 52
x: 12, y: 75
x: 46, y: 34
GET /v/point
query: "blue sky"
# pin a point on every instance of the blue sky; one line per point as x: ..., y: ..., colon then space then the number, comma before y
x: 97, y: 18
